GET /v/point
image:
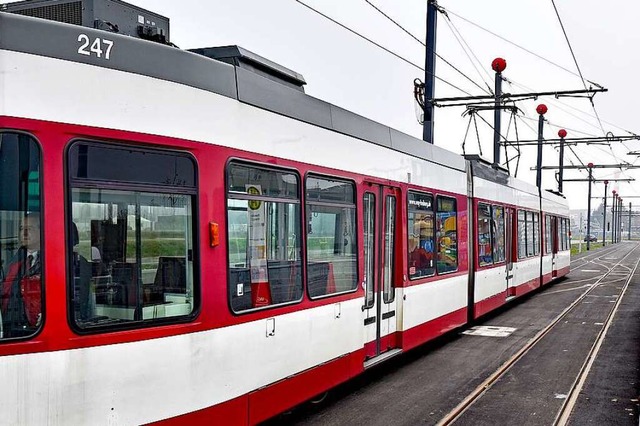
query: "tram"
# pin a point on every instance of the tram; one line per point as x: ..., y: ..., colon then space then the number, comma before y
x: 212, y: 244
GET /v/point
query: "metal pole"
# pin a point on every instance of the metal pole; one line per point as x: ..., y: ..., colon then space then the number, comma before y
x: 629, y: 220
x: 620, y: 225
x: 541, y: 110
x: 590, y: 165
x: 613, y: 217
x: 430, y: 71
x: 604, y: 216
x: 618, y: 219
x: 562, y: 133
x: 498, y: 65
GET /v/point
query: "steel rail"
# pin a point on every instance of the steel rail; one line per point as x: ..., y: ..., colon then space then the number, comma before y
x: 569, y: 403
x: 476, y: 394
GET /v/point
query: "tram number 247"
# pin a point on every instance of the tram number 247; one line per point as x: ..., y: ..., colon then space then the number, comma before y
x: 98, y: 47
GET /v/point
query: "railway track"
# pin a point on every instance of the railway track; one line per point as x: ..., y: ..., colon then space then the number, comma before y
x: 620, y: 273
x: 440, y: 384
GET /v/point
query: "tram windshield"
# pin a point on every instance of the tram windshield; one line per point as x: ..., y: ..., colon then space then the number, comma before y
x: 20, y: 237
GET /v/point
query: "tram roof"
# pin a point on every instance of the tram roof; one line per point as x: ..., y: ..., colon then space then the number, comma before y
x: 482, y: 169
x: 60, y: 41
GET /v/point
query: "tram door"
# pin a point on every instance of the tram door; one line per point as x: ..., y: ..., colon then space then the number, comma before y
x: 380, y: 245
x: 509, y: 216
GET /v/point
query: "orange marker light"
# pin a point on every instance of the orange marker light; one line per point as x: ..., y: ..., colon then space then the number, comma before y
x: 214, y: 234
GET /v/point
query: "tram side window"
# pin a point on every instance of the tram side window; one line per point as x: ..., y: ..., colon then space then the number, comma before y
x: 567, y: 239
x: 491, y: 244
x: 548, y: 247
x: 447, y: 234
x: 131, y: 250
x: 421, y: 235
x: 499, y: 242
x: 369, y: 224
x: 331, y: 236
x: 21, y: 302
x: 485, y: 235
x: 559, y: 234
x: 264, y: 231
x: 536, y: 233
x: 522, y: 234
x: 388, y: 292
x: 530, y: 234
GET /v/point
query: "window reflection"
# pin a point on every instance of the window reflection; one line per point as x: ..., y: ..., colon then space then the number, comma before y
x: 264, y: 228
x: 132, y: 256
x: 331, y: 236
x: 21, y: 259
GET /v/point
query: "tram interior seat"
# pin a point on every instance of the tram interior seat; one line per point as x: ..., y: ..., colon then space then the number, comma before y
x: 284, y: 277
x: 318, y: 279
x: 240, y: 289
x: 284, y: 284
x: 120, y: 289
x: 171, y: 277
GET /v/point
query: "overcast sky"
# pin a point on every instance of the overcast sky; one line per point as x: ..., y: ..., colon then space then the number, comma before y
x: 346, y: 70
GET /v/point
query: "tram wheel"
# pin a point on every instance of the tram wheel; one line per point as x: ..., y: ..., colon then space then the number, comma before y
x: 319, y: 398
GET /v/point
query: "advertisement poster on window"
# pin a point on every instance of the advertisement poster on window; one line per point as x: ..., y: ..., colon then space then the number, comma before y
x: 260, y: 291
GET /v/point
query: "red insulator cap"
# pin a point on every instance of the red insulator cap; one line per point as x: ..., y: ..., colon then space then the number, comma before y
x: 606, y: 182
x: 562, y: 133
x: 542, y: 109
x: 614, y: 192
x: 590, y: 165
x: 498, y: 65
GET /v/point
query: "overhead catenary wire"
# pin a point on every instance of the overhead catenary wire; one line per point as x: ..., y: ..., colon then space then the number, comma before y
x: 524, y: 117
x: 378, y: 45
x: 561, y: 67
x: 516, y: 146
x: 556, y: 102
x: 551, y: 62
x: 455, y: 29
x: 583, y: 80
x: 517, y: 45
x: 570, y: 148
x: 404, y: 59
x: 575, y: 60
x: 462, y: 44
x: 424, y: 45
x: 579, y: 74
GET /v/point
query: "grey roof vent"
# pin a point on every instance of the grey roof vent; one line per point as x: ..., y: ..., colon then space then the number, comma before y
x: 245, y: 59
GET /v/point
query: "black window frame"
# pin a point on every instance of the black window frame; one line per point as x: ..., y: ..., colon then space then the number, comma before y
x: 548, y: 243
x: 306, y: 220
x: 41, y: 200
x: 369, y: 252
x: 536, y: 234
x: 194, y: 193
x: 390, y: 296
x: 481, y: 207
x: 433, y: 232
x: 298, y: 200
x: 436, y: 211
x: 524, y: 224
x: 494, y: 230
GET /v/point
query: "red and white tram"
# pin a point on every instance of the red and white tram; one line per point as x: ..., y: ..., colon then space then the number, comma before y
x: 183, y: 239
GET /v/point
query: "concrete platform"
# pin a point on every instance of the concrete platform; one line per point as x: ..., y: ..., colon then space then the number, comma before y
x: 423, y: 386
